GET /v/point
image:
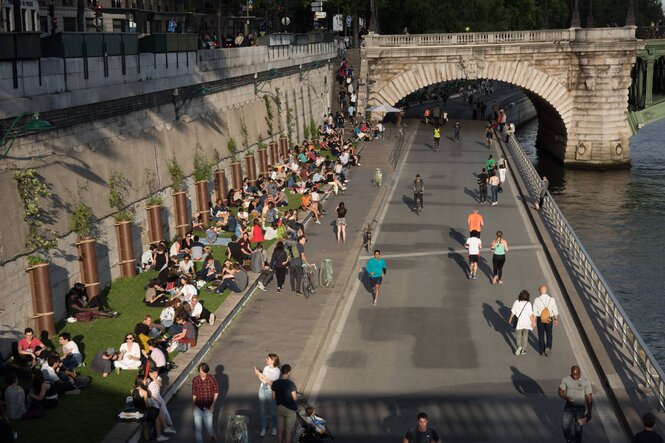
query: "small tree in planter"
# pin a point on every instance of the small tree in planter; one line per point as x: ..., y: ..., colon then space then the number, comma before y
x: 32, y: 190
x: 154, y: 207
x: 203, y: 168
x: 236, y: 171
x: 262, y: 151
x: 83, y: 223
x: 179, y: 197
x: 123, y: 215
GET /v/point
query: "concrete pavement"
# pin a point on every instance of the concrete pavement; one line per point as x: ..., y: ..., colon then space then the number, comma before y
x: 286, y: 324
x: 437, y: 341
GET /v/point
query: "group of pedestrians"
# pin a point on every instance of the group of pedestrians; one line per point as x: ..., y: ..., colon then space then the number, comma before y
x: 493, y: 175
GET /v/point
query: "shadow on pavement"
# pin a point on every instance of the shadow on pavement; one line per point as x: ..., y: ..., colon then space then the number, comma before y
x: 474, y: 194
x: 457, y: 236
x: 498, y: 319
x: 459, y: 259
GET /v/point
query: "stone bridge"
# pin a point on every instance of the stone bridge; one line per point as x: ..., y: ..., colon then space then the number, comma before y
x: 578, y: 80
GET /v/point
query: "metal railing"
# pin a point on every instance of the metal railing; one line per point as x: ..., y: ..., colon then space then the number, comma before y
x: 552, y: 35
x: 593, y: 285
x: 396, y: 152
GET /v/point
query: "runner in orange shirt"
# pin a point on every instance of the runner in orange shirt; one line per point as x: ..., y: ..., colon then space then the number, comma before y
x: 475, y: 221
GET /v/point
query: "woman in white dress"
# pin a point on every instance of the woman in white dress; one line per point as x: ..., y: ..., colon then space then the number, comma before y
x: 130, y: 354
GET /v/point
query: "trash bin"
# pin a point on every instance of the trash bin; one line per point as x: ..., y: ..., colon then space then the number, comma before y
x: 236, y: 429
x: 326, y: 279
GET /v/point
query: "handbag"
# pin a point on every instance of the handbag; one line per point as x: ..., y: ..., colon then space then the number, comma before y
x: 513, y: 321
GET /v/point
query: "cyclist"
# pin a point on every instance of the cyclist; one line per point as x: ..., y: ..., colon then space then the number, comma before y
x: 418, y: 190
x: 437, y: 137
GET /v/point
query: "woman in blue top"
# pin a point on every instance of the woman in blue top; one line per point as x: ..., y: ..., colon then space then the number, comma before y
x: 499, y: 247
x: 376, y: 269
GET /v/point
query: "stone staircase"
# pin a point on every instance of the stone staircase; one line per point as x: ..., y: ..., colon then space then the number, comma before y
x: 353, y: 58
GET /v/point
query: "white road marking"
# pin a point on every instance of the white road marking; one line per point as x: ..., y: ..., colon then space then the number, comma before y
x: 341, y: 323
x: 445, y: 252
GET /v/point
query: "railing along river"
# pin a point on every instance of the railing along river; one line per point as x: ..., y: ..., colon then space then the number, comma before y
x: 598, y: 289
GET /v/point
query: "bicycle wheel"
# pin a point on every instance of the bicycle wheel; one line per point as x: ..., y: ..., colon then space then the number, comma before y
x: 307, y: 287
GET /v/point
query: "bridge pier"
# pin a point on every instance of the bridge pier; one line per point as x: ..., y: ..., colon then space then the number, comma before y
x: 577, y: 78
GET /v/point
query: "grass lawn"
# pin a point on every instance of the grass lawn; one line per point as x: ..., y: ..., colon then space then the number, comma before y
x: 89, y: 417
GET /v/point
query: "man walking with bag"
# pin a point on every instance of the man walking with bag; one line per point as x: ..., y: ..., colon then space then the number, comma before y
x: 576, y: 391
x: 547, y: 316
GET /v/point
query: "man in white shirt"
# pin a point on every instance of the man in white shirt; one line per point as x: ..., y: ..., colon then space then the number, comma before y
x: 474, y: 246
x: 71, y: 356
x: 545, y: 327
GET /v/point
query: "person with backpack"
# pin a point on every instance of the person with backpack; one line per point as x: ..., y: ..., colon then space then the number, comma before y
x: 298, y: 258
x: 547, y: 316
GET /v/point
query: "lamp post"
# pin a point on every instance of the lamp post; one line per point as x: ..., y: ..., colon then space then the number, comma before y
x: 15, y: 130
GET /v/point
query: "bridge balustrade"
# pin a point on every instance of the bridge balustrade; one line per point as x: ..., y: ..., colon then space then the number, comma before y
x: 592, y: 283
x: 469, y: 38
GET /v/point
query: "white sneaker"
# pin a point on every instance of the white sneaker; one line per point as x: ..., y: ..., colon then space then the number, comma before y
x: 261, y: 287
x: 71, y: 320
x: 212, y: 319
x: 262, y: 433
x: 162, y: 438
x: 518, y: 351
x: 170, y: 430
x: 274, y: 432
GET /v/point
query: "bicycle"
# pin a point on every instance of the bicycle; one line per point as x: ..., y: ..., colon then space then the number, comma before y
x: 367, y: 235
x: 308, y: 279
x: 417, y: 207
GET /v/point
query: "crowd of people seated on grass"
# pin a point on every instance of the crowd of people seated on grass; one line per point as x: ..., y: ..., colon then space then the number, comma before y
x: 52, y: 373
x: 251, y: 216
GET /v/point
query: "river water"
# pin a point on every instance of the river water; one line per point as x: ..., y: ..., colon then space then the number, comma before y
x: 620, y: 218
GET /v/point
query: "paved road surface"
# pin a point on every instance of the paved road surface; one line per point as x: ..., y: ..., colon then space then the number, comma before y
x: 436, y: 342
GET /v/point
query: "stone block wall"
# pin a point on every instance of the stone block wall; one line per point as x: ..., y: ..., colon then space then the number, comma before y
x: 145, y: 140
x: 63, y: 82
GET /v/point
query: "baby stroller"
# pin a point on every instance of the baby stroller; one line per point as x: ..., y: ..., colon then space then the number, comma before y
x: 313, y: 428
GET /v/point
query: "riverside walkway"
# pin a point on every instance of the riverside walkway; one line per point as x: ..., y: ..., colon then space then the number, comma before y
x: 437, y: 342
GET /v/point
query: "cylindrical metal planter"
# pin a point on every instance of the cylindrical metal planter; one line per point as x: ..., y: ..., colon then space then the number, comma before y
x: 88, y: 266
x: 221, y: 187
x: 155, y: 224
x: 42, y: 298
x: 263, y: 162
x: 274, y: 153
x: 236, y: 175
x: 283, y: 147
x: 203, y: 201
x: 251, y: 168
x: 123, y: 231
x: 180, y: 210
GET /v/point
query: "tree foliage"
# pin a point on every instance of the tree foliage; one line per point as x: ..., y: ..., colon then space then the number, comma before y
x: 502, y: 15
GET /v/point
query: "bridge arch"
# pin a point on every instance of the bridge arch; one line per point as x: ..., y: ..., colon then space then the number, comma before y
x: 549, y: 96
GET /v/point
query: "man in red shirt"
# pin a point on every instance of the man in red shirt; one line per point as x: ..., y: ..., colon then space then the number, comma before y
x: 30, y: 348
x: 204, y: 395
